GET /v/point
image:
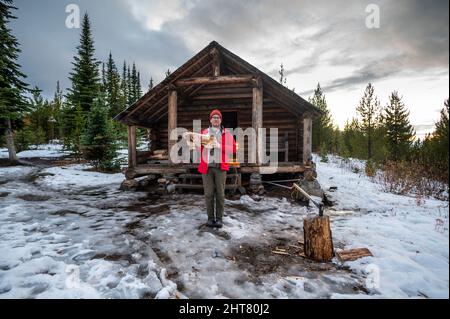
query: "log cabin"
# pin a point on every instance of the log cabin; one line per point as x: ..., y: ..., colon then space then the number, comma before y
x: 246, y: 96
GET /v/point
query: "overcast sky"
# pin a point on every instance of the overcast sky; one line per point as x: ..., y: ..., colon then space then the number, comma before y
x: 317, y: 41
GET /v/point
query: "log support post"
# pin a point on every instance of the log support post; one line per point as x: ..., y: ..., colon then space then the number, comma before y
x: 257, y: 116
x: 172, y: 118
x: 307, y: 139
x: 132, y: 157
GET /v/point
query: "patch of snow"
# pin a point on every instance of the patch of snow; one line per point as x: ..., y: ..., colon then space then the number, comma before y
x: 77, y: 176
x: 40, y: 151
x: 67, y: 232
x: 410, y: 254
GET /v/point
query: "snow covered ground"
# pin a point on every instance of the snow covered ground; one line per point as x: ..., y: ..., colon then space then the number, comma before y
x: 66, y: 232
x: 41, y: 151
x: 410, y: 247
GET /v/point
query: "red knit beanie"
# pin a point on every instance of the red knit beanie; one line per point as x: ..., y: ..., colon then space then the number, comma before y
x: 215, y: 112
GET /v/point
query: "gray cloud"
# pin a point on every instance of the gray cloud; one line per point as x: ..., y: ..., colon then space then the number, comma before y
x: 413, y: 37
x: 48, y: 46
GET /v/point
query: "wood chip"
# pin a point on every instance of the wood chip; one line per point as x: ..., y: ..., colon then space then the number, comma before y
x: 353, y: 254
x: 280, y: 252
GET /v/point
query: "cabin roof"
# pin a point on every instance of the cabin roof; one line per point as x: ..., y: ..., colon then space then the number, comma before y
x: 154, y: 104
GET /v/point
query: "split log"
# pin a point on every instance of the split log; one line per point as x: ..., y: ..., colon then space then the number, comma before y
x: 353, y: 254
x: 318, y: 241
x: 158, y: 157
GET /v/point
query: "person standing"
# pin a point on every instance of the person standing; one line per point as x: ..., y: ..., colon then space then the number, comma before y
x: 214, y: 166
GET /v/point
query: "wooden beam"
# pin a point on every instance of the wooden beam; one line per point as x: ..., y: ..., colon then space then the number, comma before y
x: 257, y: 116
x: 145, y: 98
x: 132, y: 158
x: 150, y: 109
x: 270, y: 83
x: 143, y: 170
x: 290, y: 108
x: 216, y: 62
x: 199, y: 71
x: 172, y: 118
x: 223, y: 79
x: 223, y: 96
x: 307, y: 139
x: 162, y: 108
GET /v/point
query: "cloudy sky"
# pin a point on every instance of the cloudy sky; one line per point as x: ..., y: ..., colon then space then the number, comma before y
x: 317, y: 41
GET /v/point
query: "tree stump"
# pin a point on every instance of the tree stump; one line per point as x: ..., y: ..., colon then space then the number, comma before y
x: 318, y: 243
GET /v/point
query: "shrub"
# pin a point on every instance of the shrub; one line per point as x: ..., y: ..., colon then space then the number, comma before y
x: 411, y: 177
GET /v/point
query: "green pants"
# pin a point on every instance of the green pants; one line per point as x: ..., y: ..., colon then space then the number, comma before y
x: 214, y: 187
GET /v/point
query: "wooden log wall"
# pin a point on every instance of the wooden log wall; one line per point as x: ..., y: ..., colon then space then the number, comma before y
x: 237, y: 98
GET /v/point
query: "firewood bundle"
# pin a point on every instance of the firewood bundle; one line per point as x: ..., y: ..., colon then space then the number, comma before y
x: 159, y: 155
x: 194, y: 140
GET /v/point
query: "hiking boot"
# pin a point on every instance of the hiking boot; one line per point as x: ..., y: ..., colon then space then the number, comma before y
x: 210, y: 222
x: 219, y: 223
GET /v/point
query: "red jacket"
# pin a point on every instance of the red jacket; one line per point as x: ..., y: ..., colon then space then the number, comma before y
x: 227, y: 149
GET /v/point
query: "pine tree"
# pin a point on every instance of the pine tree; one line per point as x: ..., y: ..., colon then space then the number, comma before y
x: 353, y: 140
x: 440, y: 147
x: 322, y: 127
x: 129, y: 87
x: 399, y: 132
x: 336, y: 136
x: 73, y: 120
x: 347, y: 135
x: 282, y: 76
x: 134, y: 84
x: 369, y: 110
x: 40, y: 117
x: 12, y: 86
x: 78, y: 123
x: 124, y: 85
x: 98, y: 140
x: 113, y: 87
x: 442, y: 128
x: 138, y: 86
x: 168, y: 72
x: 58, y: 97
x: 85, y: 72
x: 57, y: 112
x: 103, y: 85
x: 150, y: 84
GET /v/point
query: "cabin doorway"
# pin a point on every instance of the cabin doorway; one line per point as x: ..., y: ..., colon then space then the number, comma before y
x: 229, y: 120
